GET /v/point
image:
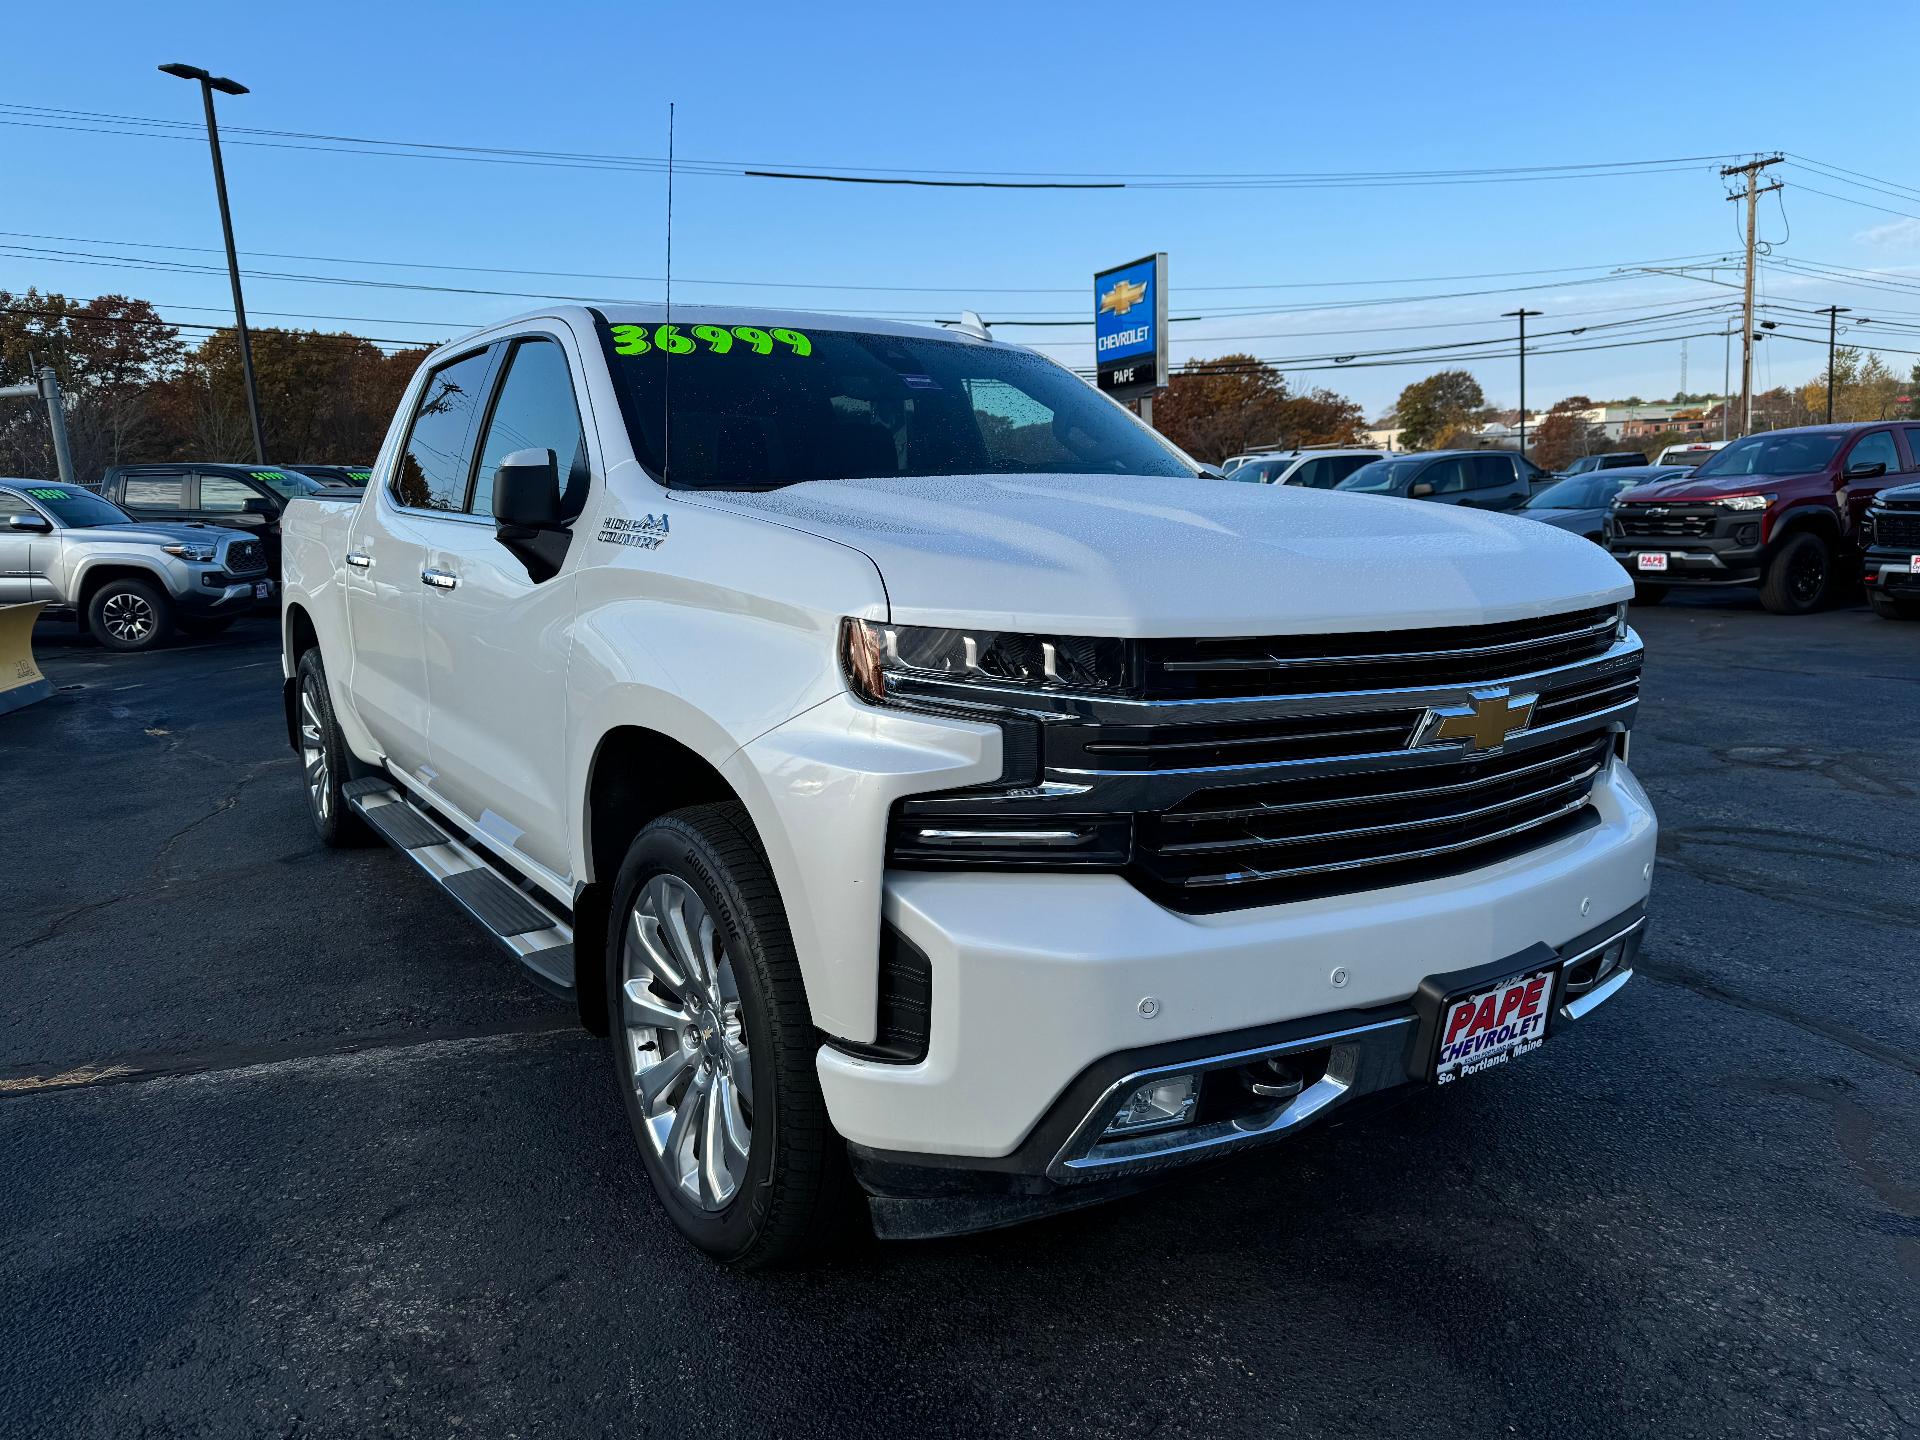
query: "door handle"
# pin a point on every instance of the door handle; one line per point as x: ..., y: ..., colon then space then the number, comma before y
x: 358, y: 561
x: 439, y: 579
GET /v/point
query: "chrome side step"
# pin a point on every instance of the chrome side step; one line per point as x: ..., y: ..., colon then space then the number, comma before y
x: 520, y: 922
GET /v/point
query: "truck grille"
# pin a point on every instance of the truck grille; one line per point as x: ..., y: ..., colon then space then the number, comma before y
x: 1674, y: 524
x: 1225, y: 801
x: 1379, y: 660
x: 1309, y: 836
x: 1897, y: 527
x: 244, y: 556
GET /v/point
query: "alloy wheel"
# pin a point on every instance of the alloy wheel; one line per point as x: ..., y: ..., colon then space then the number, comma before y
x: 1808, y: 577
x: 686, y: 1042
x: 313, y: 756
x: 128, y: 618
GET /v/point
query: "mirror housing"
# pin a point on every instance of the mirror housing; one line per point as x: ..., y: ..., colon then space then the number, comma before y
x: 261, y: 506
x: 526, y: 495
x: 1211, y: 472
x: 1866, y: 470
x: 1420, y: 490
x: 29, y: 522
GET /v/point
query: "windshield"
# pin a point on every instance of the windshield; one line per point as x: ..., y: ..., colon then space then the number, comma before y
x: 1583, y: 493
x: 1381, y: 477
x: 287, y: 483
x: 1789, y: 452
x: 753, y: 408
x: 75, y: 509
x: 1582, y: 465
x: 1261, y: 472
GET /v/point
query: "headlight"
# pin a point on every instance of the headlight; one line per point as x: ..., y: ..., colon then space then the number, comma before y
x: 1742, y: 502
x: 191, y: 550
x: 1620, y: 627
x: 877, y: 658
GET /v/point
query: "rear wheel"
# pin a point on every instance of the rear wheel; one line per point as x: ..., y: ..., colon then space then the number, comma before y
x: 129, y: 614
x: 1799, y: 577
x: 713, y: 1045
x: 323, y: 760
x: 1889, y: 607
x: 1648, y: 594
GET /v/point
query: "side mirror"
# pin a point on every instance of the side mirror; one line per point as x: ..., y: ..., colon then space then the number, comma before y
x: 526, y: 494
x: 1212, y: 472
x: 1866, y: 469
x: 1420, y: 490
x: 29, y: 522
x: 261, y: 506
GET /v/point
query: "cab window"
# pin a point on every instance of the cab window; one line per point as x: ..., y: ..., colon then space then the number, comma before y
x: 535, y: 411
x: 154, y: 492
x: 1875, y: 449
x: 225, y: 494
x: 1447, y: 477
x: 435, y: 465
x: 1489, y: 472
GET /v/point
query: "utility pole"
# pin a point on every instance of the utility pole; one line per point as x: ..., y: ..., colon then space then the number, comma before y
x: 1521, y: 316
x: 1726, y: 383
x: 208, y: 84
x: 1751, y: 171
x: 47, y: 388
x: 1833, y: 314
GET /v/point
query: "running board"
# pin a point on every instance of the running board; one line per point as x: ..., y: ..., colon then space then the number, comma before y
x: 518, y: 921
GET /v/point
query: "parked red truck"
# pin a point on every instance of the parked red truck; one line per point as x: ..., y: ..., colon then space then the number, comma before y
x: 1783, y: 510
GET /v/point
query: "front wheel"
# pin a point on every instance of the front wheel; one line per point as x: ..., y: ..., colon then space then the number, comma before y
x: 128, y: 614
x: 1798, y: 577
x: 1890, y: 607
x: 713, y: 1045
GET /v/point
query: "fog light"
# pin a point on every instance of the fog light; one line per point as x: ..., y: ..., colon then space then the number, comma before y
x: 1611, y: 957
x: 1157, y: 1105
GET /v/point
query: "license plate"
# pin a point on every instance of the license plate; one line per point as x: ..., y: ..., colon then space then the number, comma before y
x: 262, y: 589
x: 1913, y: 563
x: 1493, y: 1027
x: 1654, y: 561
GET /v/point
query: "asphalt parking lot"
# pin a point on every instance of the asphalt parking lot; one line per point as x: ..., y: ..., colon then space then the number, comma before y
x: 288, y: 1149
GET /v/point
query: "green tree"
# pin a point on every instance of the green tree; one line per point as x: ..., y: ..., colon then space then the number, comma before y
x: 1429, y: 408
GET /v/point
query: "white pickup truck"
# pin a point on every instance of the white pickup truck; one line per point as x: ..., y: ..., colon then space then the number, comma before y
x: 953, y: 805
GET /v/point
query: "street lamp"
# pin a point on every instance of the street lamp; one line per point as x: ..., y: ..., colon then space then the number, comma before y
x: 209, y: 84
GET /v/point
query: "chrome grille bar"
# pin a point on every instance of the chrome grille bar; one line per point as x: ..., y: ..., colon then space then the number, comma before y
x: 1464, y: 652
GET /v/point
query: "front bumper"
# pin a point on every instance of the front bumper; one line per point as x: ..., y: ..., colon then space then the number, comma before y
x: 1042, y: 980
x: 229, y: 595
x: 1725, y: 559
x: 1895, y: 573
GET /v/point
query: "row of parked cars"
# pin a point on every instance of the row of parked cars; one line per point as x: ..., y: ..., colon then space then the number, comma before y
x: 1804, y: 515
x: 154, y: 548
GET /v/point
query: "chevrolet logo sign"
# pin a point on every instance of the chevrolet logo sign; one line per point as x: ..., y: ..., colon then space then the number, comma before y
x: 1485, y: 723
x: 1124, y: 295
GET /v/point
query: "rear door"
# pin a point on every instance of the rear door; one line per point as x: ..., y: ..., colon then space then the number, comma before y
x: 384, y: 573
x: 497, y: 667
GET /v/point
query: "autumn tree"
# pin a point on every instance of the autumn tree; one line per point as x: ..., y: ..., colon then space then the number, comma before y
x: 1216, y: 408
x: 108, y: 353
x: 1429, y: 408
x: 1864, y: 388
x: 1566, y: 434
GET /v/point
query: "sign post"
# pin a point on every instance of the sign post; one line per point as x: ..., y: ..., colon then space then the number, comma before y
x: 1130, y: 330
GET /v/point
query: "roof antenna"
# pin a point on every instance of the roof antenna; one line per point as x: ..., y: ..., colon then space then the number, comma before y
x: 666, y: 364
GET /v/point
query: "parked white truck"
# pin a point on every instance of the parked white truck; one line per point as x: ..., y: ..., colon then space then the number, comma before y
x: 947, y: 799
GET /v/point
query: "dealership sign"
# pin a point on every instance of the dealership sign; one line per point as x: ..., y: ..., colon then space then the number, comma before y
x: 1130, y: 327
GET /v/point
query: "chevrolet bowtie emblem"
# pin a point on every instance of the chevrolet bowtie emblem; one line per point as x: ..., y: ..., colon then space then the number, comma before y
x: 1485, y: 723
x: 1124, y: 295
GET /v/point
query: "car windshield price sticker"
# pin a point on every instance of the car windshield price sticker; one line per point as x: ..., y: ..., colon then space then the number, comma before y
x: 710, y: 339
x: 1491, y: 1027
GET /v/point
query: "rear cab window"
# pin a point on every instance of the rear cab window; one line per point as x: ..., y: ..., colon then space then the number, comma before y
x: 160, y: 491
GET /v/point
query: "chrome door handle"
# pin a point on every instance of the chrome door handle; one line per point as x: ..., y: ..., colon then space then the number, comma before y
x: 439, y: 579
x: 358, y: 561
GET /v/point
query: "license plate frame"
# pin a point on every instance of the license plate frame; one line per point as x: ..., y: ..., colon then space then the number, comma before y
x: 1651, y: 561
x: 1488, y: 1026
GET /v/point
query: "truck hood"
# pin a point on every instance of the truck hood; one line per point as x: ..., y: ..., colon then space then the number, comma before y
x: 142, y: 532
x: 1136, y: 557
x: 1686, y: 487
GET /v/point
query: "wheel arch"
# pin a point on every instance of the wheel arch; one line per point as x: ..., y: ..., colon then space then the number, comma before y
x: 104, y: 572
x: 1800, y: 521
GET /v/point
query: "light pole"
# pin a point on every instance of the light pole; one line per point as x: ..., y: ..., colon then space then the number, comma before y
x: 1522, y: 315
x: 209, y: 84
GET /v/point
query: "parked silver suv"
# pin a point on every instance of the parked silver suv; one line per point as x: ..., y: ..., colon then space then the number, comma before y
x: 130, y: 581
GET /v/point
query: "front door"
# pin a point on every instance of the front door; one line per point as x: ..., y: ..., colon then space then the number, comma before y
x: 385, y: 568
x: 498, y: 640
x: 1875, y: 447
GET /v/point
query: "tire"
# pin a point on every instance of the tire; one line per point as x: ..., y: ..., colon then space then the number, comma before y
x: 1799, y: 577
x: 713, y: 1046
x: 1890, y: 607
x: 1648, y: 594
x: 323, y: 760
x: 130, y: 615
x: 204, y: 625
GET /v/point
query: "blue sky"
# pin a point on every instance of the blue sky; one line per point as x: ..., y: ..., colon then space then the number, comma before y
x: 1245, y: 88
